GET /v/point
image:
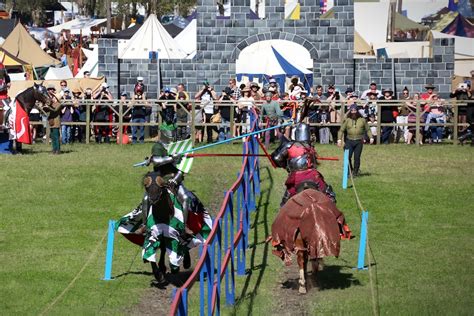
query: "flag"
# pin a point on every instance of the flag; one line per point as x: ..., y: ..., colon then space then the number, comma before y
x: 19, y: 123
x: 169, y: 233
x: 323, y: 4
x: 179, y: 147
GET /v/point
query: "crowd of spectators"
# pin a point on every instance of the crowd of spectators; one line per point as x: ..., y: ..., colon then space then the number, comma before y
x: 215, y: 107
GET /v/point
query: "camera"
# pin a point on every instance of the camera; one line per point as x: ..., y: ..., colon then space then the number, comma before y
x: 462, y: 86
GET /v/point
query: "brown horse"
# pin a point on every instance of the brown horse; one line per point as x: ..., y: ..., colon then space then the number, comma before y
x: 310, y: 226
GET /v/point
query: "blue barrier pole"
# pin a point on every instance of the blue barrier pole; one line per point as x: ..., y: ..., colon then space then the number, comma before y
x: 218, y: 267
x: 201, y: 284
x: 210, y: 276
x: 363, y: 241
x: 345, y: 169
x: 183, y: 305
x: 110, y: 251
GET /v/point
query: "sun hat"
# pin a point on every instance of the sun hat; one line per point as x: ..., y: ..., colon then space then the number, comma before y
x: 51, y: 87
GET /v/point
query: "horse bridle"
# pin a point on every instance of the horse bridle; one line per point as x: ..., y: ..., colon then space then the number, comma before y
x: 159, y: 181
x: 41, y: 95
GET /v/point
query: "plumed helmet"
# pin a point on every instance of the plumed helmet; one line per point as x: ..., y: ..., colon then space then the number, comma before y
x: 302, y: 133
x: 159, y: 150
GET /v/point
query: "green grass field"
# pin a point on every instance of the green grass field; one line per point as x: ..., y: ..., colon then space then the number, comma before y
x: 54, y: 214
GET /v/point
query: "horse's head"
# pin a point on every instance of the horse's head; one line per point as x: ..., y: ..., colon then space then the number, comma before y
x: 41, y: 94
x: 155, y: 186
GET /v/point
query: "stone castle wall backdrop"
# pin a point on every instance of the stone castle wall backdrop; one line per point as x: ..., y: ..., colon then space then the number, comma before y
x: 329, y: 41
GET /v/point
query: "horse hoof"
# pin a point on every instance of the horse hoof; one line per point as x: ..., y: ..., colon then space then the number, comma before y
x: 302, y: 290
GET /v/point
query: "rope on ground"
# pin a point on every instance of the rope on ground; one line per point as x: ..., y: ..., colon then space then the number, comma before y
x: 120, y: 282
x: 374, y: 291
x: 93, y: 254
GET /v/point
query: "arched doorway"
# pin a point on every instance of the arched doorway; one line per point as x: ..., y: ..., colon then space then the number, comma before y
x: 278, y: 59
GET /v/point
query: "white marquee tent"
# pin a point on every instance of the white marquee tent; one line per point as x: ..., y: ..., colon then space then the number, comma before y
x: 77, y: 25
x: 276, y: 58
x: 92, y: 62
x: 152, y: 36
x: 187, y: 39
x: 58, y: 73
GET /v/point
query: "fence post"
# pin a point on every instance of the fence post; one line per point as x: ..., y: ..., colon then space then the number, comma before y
x: 232, y: 123
x: 193, y: 122
x: 88, y: 122
x: 455, y: 122
x: 379, y: 129
x: 363, y: 241
x: 120, y: 131
x: 417, y: 131
x: 110, y: 251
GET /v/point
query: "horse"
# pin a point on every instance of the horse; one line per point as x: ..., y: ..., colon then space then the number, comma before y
x: 164, y: 230
x: 310, y: 226
x: 25, y: 100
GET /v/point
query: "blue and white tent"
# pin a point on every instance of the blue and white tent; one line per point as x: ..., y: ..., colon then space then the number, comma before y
x: 264, y: 60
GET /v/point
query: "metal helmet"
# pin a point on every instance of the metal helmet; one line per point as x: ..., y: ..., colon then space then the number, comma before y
x: 159, y: 150
x: 302, y: 133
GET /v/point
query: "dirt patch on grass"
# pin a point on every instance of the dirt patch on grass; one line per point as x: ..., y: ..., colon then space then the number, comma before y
x: 289, y: 301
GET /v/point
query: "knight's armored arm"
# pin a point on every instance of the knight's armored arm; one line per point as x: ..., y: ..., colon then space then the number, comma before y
x: 159, y: 161
x: 178, y: 178
x: 280, y: 155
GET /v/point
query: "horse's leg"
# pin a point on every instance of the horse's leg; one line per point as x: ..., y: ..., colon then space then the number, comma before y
x: 314, y: 270
x: 302, y: 260
x: 161, y: 263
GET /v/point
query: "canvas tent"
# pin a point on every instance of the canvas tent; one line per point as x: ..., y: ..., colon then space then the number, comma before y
x: 77, y: 25
x: 403, y: 23
x: 264, y: 59
x: 124, y: 34
x: 152, y: 37
x: 92, y: 62
x: 81, y: 84
x: 459, y: 26
x: 58, y: 73
x: 21, y: 45
x: 187, y: 39
x: 361, y: 47
x: 10, y: 61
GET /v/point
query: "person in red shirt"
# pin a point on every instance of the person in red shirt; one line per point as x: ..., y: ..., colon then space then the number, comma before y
x: 429, y: 91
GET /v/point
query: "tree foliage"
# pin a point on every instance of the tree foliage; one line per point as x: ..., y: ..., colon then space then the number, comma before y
x: 36, y: 8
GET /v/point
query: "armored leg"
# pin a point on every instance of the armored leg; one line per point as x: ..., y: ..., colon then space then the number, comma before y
x: 286, y: 197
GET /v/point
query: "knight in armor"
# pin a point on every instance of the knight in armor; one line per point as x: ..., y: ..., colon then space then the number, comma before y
x: 166, y: 166
x: 298, y: 157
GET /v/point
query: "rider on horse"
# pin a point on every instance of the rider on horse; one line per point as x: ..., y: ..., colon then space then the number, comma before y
x: 299, y: 159
x: 166, y: 165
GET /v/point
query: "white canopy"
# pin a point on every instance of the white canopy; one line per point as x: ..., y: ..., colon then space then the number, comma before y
x: 58, y: 73
x: 152, y: 36
x: 77, y: 25
x: 259, y: 57
x: 92, y: 62
x: 187, y: 38
x: 371, y: 21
